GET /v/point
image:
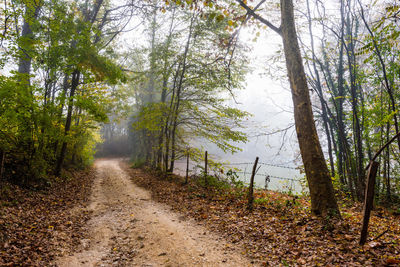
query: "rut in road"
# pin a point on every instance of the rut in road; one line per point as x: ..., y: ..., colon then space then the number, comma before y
x: 127, y: 228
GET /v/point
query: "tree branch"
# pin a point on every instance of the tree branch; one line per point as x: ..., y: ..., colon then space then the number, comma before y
x: 258, y: 17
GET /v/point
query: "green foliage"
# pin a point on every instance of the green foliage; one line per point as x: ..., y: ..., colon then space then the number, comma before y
x: 261, y: 201
x: 212, y: 181
x: 35, y: 104
x: 138, y: 163
x: 233, y: 178
x: 180, y: 85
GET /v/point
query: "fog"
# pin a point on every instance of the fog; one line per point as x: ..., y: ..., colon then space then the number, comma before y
x: 270, y: 129
x: 266, y: 95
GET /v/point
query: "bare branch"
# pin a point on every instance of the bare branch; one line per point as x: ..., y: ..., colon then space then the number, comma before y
x: 258, y: 17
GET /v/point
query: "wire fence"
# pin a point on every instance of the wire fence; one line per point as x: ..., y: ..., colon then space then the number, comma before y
x: 271, y: 176
x: 260, y: 163
x: 265, y: 175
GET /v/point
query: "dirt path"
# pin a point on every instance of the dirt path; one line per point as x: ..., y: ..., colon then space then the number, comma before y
x: 127, y: 228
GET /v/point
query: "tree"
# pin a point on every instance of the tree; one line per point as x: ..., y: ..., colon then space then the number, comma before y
x: 51, y: 104
x: 192, y: 73
x: 323, y: 201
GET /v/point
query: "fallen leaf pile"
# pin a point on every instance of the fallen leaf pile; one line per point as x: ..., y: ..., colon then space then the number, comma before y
x: 37, y: 226
x: 280, y: 231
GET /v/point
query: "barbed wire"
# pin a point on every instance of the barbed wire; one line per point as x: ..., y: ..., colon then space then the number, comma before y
x: 260, y: 163
x: 261, y: 174
x: 239, y: 163
x: 279, y: 166
x: 271, y: 176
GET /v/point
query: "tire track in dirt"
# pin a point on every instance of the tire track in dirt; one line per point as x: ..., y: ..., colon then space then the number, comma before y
x: 127, y: 228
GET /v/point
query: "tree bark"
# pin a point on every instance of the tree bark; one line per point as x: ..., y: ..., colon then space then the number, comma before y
x: 25, y: 61
x: 355, y: 96
x: 369, y: 200
x: 323, y: 201
x: 74, y: 86
x: 250, y: 196
x: 89, y: 16
x: 318, y: 87
x: 205, y: 168
x: 387, y: 166
x: 178, y: 93
x: 2, y: 160
x: 187, y: 167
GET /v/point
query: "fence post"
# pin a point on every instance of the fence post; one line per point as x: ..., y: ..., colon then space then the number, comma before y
x: 187, y: 168
x: 251, y: 196
x: 369, y: 200
x: 205, y: 168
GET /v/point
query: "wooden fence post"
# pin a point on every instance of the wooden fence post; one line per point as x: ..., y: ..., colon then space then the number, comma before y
x: 251, y: 196
x: 205, y: 168
x: 369, y: 200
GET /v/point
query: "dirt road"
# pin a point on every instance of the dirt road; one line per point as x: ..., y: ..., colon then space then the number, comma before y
x: 127, y: 228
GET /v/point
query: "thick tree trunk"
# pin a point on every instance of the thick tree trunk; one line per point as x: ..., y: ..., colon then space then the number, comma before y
x: 323, y: 201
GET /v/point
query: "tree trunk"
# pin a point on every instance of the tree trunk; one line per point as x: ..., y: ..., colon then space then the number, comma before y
x: 388, y: 85
x: 318, y: 87
x: 205, y: 168
x: 358, y: 146
x: 2, y: 160
x: 187, y: 167
x: 323, y: 201
x: 65, y: 87
x: 74, y: 150
x: 25, y: 61
x: 250, y: 194
x: 387, y: 165
x: 166, y: 155
x: 173, y: 148
x: 178, y: 93
x: 74, y: 85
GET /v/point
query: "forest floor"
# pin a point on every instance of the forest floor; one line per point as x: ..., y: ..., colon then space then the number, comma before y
x: 38, y: 225
x: 280, y: 231
x: 112, y: 215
